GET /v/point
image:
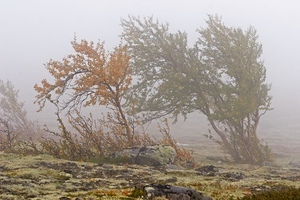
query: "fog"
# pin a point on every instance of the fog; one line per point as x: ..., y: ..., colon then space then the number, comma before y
x: 33, y: 31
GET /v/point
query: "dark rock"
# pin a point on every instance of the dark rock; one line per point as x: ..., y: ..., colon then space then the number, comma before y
x: 291, y: 178
x: 107, y: 166
x: 171, y: 180
x: 208, y: 170
x: 31, y: 196
x: 64, y: 198
x: 173, y: 192
x: 2, y: 168
x: 233, y: 176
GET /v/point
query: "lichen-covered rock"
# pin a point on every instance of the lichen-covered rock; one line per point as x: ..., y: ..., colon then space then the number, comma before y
x: 156, y: 155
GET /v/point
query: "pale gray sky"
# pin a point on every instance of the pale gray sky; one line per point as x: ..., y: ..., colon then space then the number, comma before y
x: 33, y: 31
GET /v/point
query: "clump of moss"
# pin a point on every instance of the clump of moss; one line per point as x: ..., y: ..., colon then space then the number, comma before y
x: 287, y: 193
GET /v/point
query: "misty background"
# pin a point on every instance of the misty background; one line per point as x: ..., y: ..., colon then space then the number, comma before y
x: 34, y: 31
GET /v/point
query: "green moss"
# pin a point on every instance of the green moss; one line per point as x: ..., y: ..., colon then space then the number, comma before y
x: 287, y: 193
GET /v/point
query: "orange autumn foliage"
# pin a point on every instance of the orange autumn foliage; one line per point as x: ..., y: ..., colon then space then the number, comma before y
x: 90, y: 77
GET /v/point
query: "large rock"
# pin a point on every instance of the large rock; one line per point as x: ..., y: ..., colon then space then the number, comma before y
x: 157, y: 155
x: 173, y: 192
x: 208, y: 170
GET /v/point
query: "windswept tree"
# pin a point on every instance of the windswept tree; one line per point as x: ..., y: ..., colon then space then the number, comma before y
x: 14, y: 124
x: 89, y: 77
x: 222, y: 76
x: 92, y: 77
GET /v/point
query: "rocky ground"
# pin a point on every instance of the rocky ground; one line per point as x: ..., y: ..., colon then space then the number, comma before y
x: 45, y: 177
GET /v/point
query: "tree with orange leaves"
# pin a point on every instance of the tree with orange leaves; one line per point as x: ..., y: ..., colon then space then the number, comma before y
x: 89, y: 77
x: 92, y: 77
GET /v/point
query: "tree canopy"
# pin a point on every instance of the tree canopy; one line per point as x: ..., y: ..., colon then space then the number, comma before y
x: 222, y: 76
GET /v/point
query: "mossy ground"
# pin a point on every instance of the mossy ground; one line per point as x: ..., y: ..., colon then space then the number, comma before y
x: 44, y: 177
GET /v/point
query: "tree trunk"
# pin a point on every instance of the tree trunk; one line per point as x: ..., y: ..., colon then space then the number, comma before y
x: 227, y: 145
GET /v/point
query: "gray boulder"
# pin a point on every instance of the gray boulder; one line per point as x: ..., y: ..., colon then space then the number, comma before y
x: 156, y: 155
x: 173, y: 192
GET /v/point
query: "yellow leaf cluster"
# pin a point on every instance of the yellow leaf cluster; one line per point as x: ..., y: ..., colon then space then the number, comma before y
x: 91, y: 74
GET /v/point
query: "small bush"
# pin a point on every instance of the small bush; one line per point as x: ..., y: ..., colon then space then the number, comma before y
x: 183, y: 156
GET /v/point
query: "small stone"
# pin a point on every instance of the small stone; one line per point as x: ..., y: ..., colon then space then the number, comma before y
x: 171, y: 180
x: 119, y: 176
x: 107, y: 166
x: 113, y: 187
x: 64, y: 198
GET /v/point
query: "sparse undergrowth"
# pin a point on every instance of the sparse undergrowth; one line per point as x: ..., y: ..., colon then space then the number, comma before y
x: 81, y: 138
x: 286, y: 193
